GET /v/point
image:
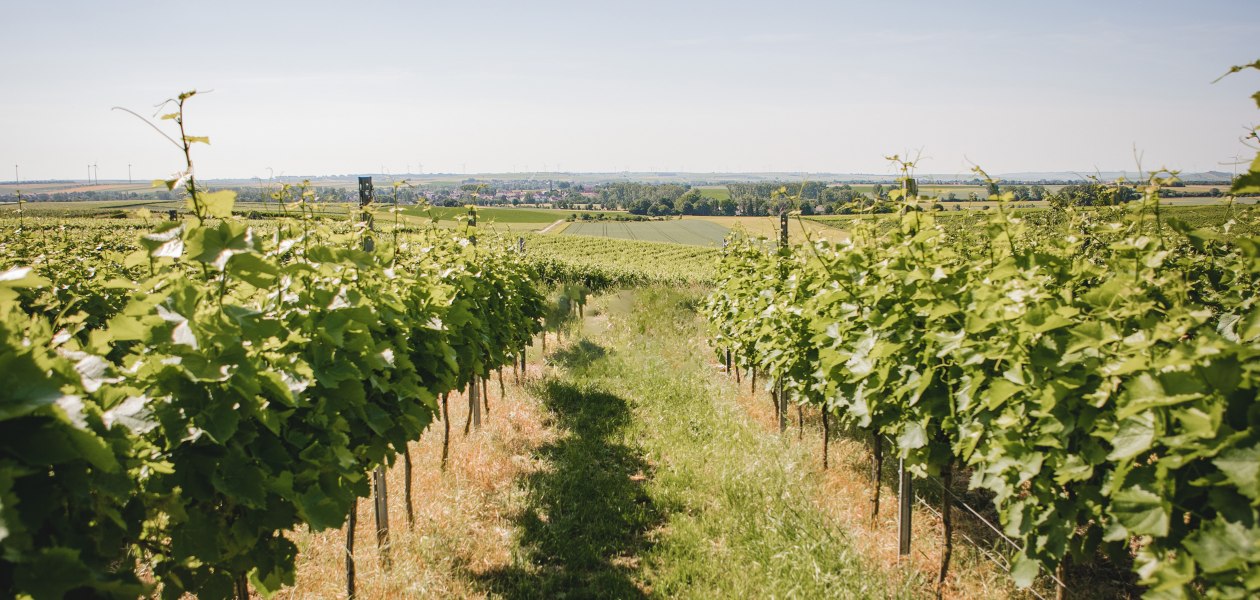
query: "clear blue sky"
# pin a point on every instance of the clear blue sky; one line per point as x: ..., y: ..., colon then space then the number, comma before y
x: 348, y: 87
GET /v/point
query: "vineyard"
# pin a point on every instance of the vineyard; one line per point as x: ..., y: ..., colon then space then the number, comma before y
x: 1094, y: 372
x: 196, y: 400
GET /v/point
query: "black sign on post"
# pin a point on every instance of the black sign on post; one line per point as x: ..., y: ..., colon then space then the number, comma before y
x: 783, y: 229
x: 365, y: 191
x: 365, y: 198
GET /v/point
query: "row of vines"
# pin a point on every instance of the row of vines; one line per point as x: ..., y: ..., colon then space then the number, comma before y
x: 1095, y: 372
x: 602, y: 263
x: 170, y: 410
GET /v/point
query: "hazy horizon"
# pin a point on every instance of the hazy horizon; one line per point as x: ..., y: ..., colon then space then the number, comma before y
x: 313, y: 88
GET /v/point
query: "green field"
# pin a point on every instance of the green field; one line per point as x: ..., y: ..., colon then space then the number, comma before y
x: 715, y: 193
x: 691, y: 232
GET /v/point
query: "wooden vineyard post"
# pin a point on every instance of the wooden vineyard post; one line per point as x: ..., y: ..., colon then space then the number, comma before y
x: 354, y: 519
x: 379, y: 492
x: 728, y: 362
x: 783, y: 406
x: 877, y: 468
x: 411, y: 511
x: 826, y: 433
x: 774, y: 399
x: 905, y: 498
x: 366, y: 195
x: 446, y: 428
x: 468, y: 417
x: 474, y: 404
x: 485, y: 394
x: 380, y: 495
x: 947, y: 484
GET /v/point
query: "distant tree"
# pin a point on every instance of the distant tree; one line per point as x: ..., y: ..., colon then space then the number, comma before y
x: 1093, y: 194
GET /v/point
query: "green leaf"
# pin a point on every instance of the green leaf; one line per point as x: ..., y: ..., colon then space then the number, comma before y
x: 1134, y: 437
x: 1241, y: 467
x: 1224, y: 546
x: 21, y: 277
x: 1024, y: 570
x: 52, y: 572
x: 219, y: 204
x: 998, y: 392
x: 166, y: 240
x: 241, y: 480
x: 26, y: 387
x: 1142, y: 512
x: 912, y: 437
x: 252, y: 269
x: 321, y: 511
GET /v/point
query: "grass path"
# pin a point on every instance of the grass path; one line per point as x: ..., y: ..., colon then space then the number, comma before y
x: 659, y: 484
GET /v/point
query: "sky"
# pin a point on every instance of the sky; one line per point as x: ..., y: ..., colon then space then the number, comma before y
x: 322, y: 88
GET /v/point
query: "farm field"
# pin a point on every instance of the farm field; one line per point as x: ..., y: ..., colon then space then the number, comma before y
x: 682, y: 231
x: 718, y: 192
x: 798, y: 230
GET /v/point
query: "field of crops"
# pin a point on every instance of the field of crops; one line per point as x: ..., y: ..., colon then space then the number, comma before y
x: 715, y: 192
x: 680, y: 231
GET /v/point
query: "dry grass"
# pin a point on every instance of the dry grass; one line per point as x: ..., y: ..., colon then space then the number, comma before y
x: 844, y: 496
x: 463, y: 516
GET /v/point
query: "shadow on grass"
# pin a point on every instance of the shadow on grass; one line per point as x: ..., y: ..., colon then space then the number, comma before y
x: 577, y: 355
x: 587, y: 516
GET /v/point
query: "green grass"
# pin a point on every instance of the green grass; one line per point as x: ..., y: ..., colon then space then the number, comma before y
x: 683, y: 231
x: 660, y: 484
x: 715, y: 193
